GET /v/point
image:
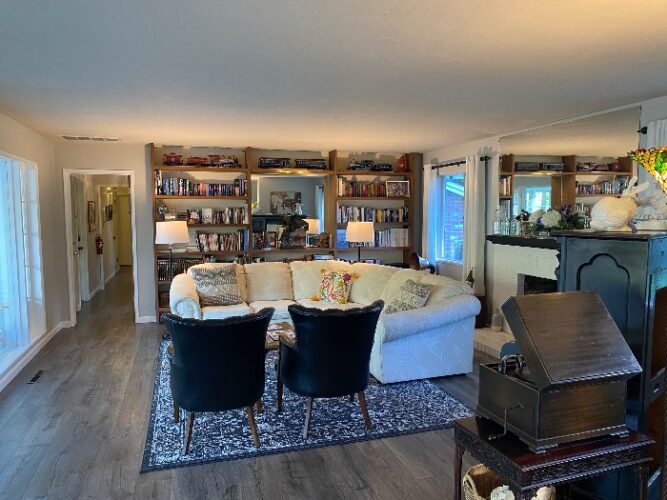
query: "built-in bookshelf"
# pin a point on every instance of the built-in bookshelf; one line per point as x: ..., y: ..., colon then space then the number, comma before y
x: 211, y: 188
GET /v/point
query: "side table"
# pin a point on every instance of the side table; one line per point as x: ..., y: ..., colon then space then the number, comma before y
x: 525, y: 472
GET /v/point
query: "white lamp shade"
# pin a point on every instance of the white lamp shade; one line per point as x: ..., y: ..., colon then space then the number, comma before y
x: 313, y: 226
x: 360, y: 232
x: 170, y: 232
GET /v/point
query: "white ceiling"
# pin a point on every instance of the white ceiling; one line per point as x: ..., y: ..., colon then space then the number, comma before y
x: 348, y: 74
x: 610, y: 134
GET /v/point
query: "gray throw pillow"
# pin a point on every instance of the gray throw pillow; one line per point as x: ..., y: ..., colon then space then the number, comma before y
x: 217, y: 286
x: 412, y: 295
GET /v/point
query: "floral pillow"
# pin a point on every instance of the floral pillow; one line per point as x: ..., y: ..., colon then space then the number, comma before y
x: 335, y: 287
x: 216, y: 285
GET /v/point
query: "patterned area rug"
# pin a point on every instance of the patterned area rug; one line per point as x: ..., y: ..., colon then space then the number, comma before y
x: 395, y: 409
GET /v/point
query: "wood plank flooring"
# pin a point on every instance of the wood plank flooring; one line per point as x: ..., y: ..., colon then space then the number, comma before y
x: 80, y: 431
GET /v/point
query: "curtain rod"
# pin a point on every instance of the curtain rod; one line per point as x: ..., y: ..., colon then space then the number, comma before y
x: 456, y: 162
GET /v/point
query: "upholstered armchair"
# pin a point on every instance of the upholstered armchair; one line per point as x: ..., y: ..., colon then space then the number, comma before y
x: 331, y: 356
x: 217, y: 365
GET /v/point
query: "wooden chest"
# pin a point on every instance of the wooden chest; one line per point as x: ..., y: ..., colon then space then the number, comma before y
x: 574, y: 383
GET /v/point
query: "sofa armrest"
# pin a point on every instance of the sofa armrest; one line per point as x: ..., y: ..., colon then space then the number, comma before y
x: 183, y: 297
x: 406, y: 323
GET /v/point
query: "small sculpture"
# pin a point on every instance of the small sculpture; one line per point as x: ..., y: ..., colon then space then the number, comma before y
x: 614, y: 214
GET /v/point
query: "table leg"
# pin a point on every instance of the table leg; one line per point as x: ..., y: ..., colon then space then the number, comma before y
x: 458, y: 464
x: 643, y: 482
x: 260, y: 407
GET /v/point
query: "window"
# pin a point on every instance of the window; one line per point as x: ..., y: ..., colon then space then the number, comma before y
x: 453, y: 208
x: 22, y: 313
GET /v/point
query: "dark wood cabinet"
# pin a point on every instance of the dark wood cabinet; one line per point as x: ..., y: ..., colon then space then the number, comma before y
x: 629, y: 272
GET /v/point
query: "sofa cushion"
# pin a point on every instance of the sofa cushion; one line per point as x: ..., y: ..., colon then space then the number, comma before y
x: 393, y: 286
x: 370, y: 281
x: 268, y: 281
x: 280, y: 306
x: 307, y: 276
x: 320, y: 304
x: 411, y: 295
x: 222, y: 312
x: 444, y: 288
x: 335, y: 286
x: 216, y: 284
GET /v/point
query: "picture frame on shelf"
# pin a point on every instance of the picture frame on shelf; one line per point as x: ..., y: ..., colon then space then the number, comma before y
x: 398, y: 189
x: 271, y: 239
x: 92, y: 217
x: 258, y: 241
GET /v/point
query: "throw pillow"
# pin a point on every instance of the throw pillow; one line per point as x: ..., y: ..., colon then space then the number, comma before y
x: 216, y: 286
x: 411, y: 295
x: 335, y: 286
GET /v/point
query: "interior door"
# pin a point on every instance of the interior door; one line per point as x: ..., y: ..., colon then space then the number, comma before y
x: 78, y: 239
x: 124, y: 234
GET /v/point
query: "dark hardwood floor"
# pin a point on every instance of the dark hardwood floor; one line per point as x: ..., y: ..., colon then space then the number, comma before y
x: 80, y: 431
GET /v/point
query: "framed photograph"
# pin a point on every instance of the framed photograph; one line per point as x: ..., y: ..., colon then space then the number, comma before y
x: 271, y: 239
x: 108, y: 213
x: 285, y: 202
x: 92, y: 217
x: 258, y: 241
x: 398, y: 189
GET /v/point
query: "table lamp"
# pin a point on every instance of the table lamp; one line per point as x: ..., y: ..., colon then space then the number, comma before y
x: 360, y: 232
x: 170, y: 233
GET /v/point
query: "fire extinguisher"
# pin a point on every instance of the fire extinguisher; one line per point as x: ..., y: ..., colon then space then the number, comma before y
x: 402, y: 164
x: 99, y: 244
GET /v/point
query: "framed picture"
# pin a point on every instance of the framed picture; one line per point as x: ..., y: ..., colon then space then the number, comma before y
x: 285, y: 202
x: 108, y: 213
x: 258, y: 241
x: 271, y: 239
x: 398, y: 189
x: 92, y: 217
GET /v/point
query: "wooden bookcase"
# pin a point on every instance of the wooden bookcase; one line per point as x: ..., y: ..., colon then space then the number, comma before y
x: 564, y: 185
x: 338, y: 164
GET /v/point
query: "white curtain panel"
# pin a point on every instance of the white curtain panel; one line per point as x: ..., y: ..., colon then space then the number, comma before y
x: 474, y: 223
x: 431, y: 223
x: 656, y: 136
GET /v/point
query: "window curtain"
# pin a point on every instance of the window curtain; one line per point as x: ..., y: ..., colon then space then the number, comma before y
x: 656, y: 136
x: 431, y: 215
x: 474, y: 222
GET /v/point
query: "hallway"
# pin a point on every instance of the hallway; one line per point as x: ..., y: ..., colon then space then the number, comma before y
x: 79, y: 432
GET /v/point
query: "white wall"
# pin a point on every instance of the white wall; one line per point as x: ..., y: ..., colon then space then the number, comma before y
x: 18, y: 140
x: 654, y: 109
x: 114, y: 156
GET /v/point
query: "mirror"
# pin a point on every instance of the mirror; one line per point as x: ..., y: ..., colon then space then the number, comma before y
x: 575, y: 163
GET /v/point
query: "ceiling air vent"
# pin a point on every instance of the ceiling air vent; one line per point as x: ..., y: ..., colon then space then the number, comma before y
x: 90, y: 138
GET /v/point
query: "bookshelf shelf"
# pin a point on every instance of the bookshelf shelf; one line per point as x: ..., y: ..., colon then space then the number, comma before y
x: 208, y: 170
x: 178, y: 197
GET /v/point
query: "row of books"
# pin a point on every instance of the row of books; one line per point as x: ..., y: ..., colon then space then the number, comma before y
x: 616, y: 186
x: 392, y: 237
x: 223, y: 242
x: 227, y: 215
x: 180, y: 265
x: 505, y: 186
x: 177, y: 186
x: 361, y: 189
x: 347, y: 213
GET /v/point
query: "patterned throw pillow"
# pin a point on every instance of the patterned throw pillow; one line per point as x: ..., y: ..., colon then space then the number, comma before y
x: 216, y: 286
x: 335, y: 286
x: 412, y: 295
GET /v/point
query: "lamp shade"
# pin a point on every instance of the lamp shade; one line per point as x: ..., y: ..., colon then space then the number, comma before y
x: 360, y: 232
x: 313, y: 226
x: 170, y: 232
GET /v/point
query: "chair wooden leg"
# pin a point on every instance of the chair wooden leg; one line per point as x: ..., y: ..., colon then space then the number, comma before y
x: 253, y: 426
x: 177, y: 413
x: 364, y: 410
x: 309, y: 413
x: 260, y: 406
x: 279, y: 398
x: 187, y: 437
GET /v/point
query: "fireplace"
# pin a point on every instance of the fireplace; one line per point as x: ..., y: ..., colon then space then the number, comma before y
x: 530, y: 285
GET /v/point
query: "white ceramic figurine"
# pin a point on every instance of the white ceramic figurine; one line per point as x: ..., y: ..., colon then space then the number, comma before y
x: 614, y: 214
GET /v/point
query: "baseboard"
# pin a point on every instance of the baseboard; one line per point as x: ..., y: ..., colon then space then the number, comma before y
x: 35, y: 346
x: 92, y: 294
x: 145, y: 319
x: 109, y: 278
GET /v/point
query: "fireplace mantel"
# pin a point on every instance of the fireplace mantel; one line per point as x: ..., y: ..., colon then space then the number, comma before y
x: 524, y: 241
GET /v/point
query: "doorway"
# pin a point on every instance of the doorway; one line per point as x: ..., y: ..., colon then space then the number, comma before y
x: 100, y: 220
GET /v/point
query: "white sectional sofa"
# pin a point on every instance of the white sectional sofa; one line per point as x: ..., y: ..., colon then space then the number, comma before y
x: 432, y: 341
